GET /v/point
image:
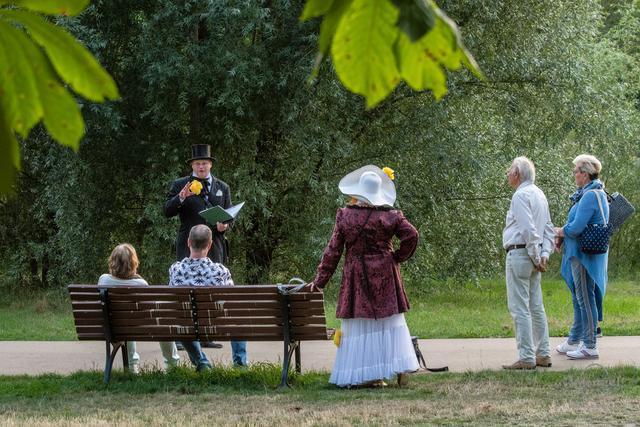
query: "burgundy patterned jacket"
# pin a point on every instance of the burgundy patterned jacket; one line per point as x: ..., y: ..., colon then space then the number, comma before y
x: 371, y: 284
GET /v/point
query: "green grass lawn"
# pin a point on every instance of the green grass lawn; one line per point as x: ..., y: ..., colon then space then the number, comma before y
x: 477, y: 311
x: 247, y: 397
x: 453, y: 310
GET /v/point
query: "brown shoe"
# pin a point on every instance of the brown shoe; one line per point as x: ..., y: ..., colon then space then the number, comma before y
x: 544, y: 361
x: 520, y: 365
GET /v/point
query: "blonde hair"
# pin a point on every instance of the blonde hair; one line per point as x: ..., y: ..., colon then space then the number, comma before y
x: 123, y: 262
x: 588, y: 164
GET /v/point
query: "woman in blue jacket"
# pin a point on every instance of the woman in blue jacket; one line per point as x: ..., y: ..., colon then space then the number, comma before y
x: 584, y: 272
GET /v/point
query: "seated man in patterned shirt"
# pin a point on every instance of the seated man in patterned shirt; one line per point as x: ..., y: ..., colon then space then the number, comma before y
x: 199, y: 270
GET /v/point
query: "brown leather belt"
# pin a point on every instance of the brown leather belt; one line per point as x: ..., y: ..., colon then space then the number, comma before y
x: 512, y: 247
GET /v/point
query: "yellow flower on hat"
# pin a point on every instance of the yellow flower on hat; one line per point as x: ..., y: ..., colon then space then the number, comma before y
x: 390, y: 173
x: 195, y: 187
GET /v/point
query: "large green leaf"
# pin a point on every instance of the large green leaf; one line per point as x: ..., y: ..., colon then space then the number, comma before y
x: 72, y: 61
x: 315, y: 8
x: 462, y: 53
x: 419, y: 69
x: 51, y: 7
x: 62, y: 116
x: 18, y: 92
x: 330, y: 23
x: 328, y: 30
x: 423, y: 63
x: 362, y: 49
x: 416, y: 18
x: 9, y: 156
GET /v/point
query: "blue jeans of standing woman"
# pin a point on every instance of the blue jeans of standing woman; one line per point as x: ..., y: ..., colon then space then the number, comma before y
x: 585, y: 312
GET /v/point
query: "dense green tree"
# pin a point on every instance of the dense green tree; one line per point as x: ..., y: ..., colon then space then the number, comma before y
x: 232, y: 74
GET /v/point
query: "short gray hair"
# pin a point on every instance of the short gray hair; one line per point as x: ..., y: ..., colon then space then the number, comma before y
x: 588, y: 164
x: 200, y: 236
x: 525, y: 168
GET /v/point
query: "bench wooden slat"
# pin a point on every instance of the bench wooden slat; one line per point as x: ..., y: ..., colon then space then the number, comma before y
x: 299, y: 312
x: 241, y: 337
x: 165, y: 305
x: 149, y: 305
x: 84, y: 296
x: 200, y: 297
x: 116, y: 324
x: 226, y: 305
x: 150, y: 314
x: 304, y: 305
x: 187, y: 321
x: 310, y: 320
x: 307, y: 296
x: 253, y: 312
x: 147, y: 297
x: 87, y: 314
x: 94, y: 329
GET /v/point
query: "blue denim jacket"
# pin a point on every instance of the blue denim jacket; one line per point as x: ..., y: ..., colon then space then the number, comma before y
x: 585, y: 211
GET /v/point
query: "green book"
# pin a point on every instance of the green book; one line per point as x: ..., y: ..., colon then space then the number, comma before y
x: 218, y: 214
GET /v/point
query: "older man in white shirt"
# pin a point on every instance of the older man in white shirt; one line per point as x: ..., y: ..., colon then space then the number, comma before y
x: 528, y: 238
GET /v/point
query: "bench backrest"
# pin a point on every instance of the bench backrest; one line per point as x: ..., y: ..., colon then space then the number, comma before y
x: 163, y: 313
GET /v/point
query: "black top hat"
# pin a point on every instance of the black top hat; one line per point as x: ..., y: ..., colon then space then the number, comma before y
x: 200, y: 152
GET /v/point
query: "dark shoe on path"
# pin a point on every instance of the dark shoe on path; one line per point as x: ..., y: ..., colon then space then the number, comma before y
x: 179, y: 346
x: 543, y: 361
x: 520, y: 365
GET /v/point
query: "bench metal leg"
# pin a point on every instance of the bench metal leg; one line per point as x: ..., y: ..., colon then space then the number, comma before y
x: 125, y: 356
x: 289, y: 349
x: 111, y: 355
x: 298, y: 361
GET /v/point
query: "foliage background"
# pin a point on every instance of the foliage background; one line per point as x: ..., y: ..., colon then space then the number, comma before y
x: 561, y: 80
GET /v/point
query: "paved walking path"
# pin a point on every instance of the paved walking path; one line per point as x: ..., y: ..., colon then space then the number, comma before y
x: 461, y: 355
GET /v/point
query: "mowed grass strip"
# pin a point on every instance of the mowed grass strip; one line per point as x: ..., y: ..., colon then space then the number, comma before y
x: 449, y: 310
x: 467, y: 310
x: 247, y: 397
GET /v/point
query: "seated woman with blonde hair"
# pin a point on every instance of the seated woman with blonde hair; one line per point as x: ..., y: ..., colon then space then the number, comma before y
x: 123, y: 270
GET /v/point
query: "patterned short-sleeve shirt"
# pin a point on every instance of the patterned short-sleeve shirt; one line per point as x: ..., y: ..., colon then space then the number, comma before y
x: 199, y: 272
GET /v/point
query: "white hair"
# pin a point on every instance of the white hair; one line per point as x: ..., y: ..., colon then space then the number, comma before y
x: 525, y: 168
x: 588, y: 164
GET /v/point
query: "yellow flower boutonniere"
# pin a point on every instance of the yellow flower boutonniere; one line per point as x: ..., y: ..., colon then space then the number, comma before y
x: 195, y: 187
x: 390, y: 173
x: 336, y: 337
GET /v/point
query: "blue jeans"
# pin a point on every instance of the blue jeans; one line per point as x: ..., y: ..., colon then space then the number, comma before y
x: 198, y: 358
x: 599, y: 303
x: 239, y: 353
x: 196, y: 355
x: 585, y: 311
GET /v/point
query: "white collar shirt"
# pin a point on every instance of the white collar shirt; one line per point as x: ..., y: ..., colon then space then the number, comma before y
x: 529, y: 223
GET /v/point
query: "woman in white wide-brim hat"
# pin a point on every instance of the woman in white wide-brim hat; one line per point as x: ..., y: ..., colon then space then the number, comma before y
x: 375, y: 342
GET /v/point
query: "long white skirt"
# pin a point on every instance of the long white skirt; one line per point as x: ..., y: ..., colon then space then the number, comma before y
x: 372, y: 350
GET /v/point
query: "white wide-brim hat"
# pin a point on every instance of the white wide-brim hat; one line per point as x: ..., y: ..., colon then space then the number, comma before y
x: 369, y: 184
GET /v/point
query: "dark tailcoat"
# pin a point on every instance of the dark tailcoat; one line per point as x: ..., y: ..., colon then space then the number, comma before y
x: 188, y: 212
x: 371, y: 283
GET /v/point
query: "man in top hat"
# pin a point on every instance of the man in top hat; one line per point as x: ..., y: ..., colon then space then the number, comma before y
x: 186, y: 204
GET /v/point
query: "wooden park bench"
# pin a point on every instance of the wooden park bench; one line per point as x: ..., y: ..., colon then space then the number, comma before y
x: 117, y: 314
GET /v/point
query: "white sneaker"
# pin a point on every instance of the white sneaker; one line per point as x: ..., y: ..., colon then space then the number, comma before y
x: 566, y: 347
x: 583, y: 353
